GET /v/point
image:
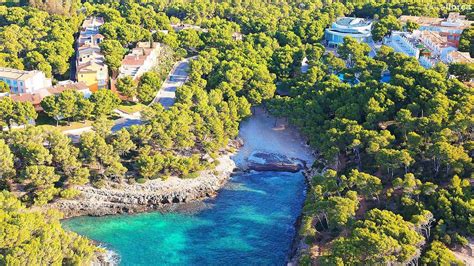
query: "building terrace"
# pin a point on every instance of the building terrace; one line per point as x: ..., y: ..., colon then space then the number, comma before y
x: 450, y: 27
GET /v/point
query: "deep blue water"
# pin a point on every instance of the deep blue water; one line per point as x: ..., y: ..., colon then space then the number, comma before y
x: 250, y: 222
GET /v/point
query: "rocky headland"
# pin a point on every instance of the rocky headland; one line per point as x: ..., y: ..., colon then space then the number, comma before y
x: 153, y: 195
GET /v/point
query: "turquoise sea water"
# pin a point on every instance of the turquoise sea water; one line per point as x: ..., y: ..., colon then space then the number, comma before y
x: 250, y: 222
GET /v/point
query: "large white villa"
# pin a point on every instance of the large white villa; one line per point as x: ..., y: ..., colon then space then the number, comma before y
x: 357, y: 28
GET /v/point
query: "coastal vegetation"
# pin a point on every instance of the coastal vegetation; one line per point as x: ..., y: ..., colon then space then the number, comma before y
x: 36, y: 238
x: 393, y: 179
x: 399, y: 153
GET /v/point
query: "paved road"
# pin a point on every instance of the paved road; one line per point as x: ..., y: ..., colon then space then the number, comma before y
x: 166, y: 96
x: 177, y: 77
x: 124, y: 122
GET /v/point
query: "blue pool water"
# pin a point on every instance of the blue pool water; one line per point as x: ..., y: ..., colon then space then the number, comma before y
x: 250, y: 222
x: 386, y: 77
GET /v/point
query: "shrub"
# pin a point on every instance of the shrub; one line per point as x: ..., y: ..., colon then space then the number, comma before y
x: 190, y: 175
x: 99, y: 183
x: 141, y: 180
x: 69, y: 193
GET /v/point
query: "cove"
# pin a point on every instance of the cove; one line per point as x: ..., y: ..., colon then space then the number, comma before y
x: 250, y: 222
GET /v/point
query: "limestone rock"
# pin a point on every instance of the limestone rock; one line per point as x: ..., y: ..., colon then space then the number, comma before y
x: 264, y: 161
x: 154, y: 194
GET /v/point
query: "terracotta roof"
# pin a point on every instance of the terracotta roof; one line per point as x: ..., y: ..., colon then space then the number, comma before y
x: 435, y: 38
x: 454, y: 21
x: 73, y: 86
x: 460, y: 57
x: 133, y: 60
x: 86, y: 67
x: 423, y: 21
x: 33, y: 98
x: 37, y: 97
x: 138, y: 56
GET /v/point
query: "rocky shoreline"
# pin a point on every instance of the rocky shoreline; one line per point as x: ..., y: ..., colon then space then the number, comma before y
x: 298, y: 246
x: 153, y: 195
x: 158, y: 194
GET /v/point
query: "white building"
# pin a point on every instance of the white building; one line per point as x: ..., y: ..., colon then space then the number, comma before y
x: 428, y: 47
x: 89, y: 33
x: 438, y: 45
x: 90, y: 62
x: 140, y: 60
x: 357, y: 28
x: 403, y: 42
x: 22, y: 81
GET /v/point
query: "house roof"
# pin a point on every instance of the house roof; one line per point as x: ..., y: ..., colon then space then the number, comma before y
x: 133, y: 60
x: 454, y: 20
x: 93, y: 22
x: 461, y: 57
x: 91, y: 66
x: 139, y: 54
x: 79, y: 86
x: 17, y: 74
x: 34, y: 98
x: 434, y: 37
x: 88, y: 46
x: 353, y: 22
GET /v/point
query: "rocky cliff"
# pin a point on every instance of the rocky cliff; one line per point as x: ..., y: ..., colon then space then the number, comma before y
x: 131, y: 198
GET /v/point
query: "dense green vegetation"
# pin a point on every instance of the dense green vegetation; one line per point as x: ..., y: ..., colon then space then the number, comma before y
x: 33, y: 39
x: 466, y: 43
x: 396, y: 156
x: 15, y: 113
x: 403, y: 147
x: 34, y: 238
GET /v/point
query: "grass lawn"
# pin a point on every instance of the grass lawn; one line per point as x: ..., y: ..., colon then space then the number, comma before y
x: 130, y: 107
x: 63, y: 126
x: 45, y: 121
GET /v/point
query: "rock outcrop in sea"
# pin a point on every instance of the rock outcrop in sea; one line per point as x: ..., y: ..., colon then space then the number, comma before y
x: 268, y: 161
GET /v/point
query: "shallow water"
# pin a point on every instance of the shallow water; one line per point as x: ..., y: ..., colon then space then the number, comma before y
x: 250, y: 222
